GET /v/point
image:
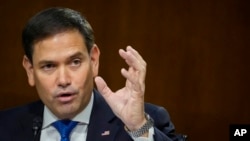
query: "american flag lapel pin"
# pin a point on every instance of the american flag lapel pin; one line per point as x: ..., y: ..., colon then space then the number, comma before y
x: 106, y: 133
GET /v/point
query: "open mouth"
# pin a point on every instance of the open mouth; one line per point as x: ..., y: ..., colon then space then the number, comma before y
x: 66, y: 97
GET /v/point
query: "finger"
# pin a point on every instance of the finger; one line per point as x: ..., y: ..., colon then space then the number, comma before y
x: 136, y: 54
x: 102, y: 86
x: 142, y: 64
x: 135, y: 61
x: 134, y: 80
x: 129, y: 75
x: 133, y: 58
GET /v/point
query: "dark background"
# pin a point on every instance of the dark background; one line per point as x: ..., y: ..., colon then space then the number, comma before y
x: 197, y: 53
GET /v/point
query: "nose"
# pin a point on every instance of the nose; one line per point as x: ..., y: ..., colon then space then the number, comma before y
x: 63, y: 77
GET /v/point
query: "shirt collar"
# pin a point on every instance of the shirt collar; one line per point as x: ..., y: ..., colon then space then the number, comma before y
x: 82, y: 117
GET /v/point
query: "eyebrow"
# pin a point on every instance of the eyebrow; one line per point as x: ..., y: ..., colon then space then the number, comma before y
x: 45, y: 62
x: 75, y: 55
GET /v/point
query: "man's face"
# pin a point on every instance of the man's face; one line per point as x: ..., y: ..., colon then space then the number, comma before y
x: 63, y: 72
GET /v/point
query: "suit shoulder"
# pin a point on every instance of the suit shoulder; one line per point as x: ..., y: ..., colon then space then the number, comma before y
x: 19, y: 111
x: 158, y: 113
x: 152, y: 108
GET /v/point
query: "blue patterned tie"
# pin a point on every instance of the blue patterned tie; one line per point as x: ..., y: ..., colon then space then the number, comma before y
x: 64, y: 127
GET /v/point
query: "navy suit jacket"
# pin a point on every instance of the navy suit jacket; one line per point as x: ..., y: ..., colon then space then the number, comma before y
x: 17, y: 124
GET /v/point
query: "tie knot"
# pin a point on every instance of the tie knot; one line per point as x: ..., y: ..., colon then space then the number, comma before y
x: 64, y: 127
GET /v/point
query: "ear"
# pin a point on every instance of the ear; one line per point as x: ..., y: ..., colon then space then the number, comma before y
x: 94, y: 56
x: 29, y: 70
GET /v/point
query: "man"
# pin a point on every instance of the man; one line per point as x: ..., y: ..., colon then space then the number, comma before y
x: 61, y: 60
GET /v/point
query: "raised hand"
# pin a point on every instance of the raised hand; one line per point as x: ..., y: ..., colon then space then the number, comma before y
x: 128, y: 102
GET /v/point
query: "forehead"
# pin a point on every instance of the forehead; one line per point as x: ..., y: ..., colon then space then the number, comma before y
x: 59, y: 46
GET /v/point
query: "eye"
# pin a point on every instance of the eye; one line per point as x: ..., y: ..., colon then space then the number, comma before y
x: 48, y: 67
x: 76, y: 62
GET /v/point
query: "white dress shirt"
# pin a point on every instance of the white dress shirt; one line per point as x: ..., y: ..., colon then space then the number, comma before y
x: 79, y: 133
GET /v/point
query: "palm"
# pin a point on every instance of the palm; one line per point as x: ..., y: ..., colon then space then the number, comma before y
x: 128, y: 102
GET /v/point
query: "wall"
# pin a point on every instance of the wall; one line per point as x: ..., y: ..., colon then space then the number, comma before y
x: 197, y: 54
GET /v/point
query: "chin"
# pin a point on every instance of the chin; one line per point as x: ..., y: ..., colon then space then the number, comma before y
x: 67, y: 112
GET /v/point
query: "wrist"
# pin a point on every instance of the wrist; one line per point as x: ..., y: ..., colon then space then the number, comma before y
x: 143, y: 130
x: 136, y: 125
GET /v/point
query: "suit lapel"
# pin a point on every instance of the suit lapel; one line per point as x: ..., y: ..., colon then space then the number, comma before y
x: 103, y: 124
x: 34, y: 111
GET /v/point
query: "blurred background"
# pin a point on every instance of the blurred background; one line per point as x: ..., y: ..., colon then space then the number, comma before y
x: 197, y: 53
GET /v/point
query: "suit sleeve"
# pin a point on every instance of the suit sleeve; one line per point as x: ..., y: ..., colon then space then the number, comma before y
x: 164, y: 129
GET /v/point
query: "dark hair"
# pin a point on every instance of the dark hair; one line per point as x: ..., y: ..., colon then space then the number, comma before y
x: 53, y: 21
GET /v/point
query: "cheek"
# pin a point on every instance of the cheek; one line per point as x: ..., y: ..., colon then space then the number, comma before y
x: 84, y: 79
x: 44, y: 86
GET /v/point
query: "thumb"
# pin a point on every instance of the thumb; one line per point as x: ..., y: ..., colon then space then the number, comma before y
x: 102, y: 86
